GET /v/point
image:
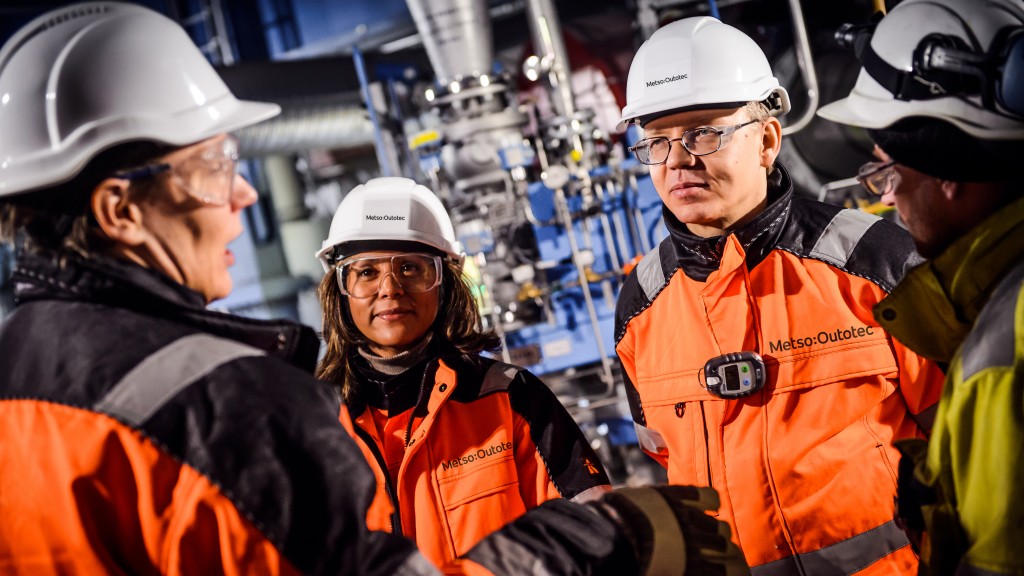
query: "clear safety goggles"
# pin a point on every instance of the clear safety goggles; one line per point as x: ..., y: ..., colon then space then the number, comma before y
x: 699, y: 141
x: 879, y: 178
x: 208, y: 175
x: 362, y: 277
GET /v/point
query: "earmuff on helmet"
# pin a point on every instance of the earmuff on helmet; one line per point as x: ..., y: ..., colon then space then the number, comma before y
x: 946, y: 66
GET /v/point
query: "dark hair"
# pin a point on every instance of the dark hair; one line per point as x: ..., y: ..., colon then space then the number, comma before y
x: 57, y: 220
x: 457, y: 325
x: 943, y: 150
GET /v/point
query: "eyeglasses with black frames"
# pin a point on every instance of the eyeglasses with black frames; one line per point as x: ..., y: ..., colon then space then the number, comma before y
x: 699, y: 141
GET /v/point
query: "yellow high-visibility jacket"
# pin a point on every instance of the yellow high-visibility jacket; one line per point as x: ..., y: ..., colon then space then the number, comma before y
x: 966, y: 308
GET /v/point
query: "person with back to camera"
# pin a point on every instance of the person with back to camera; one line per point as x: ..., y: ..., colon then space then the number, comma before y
x: 941, y: 95
x: 460, y: 443
x: 752, y: 361
x: 143, y: 433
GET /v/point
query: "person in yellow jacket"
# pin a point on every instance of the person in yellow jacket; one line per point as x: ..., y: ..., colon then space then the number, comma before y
x: 752, y: 360
x: 460, y: 443
x: 941, y: 96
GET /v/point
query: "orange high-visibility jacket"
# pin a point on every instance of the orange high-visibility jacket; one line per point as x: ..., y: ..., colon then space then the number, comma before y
x: 488, y: 442
x: 805, y: 467
x: 143, y: 434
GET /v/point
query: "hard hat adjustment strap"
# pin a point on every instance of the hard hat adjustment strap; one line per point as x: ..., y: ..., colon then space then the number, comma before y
x: 773, y: 102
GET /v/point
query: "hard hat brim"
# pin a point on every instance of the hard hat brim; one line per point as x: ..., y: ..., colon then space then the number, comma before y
x: 54, y: 168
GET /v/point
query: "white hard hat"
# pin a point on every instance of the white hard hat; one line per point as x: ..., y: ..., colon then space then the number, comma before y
x: 699, y: 62
x: 933, y: 58
x: 389, y: 211
x: 82, y: 78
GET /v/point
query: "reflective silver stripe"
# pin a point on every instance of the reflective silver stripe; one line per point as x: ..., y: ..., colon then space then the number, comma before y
x: 155, y: 380
x: 841, y: 236
x: 846, y: 557
x: 649, y: 273
x: 498, y: 377
x: 991, y: 343
x: 649, y: 439
x: 416, y: 565
x: 592, y: 493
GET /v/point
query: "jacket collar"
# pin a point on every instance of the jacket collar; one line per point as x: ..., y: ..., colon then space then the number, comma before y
x: 122, y: 284
x: 395, y: 393
x: 699, y: 257
x: 945, y: 296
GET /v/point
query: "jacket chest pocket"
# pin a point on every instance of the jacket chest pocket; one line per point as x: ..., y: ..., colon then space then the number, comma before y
x: 479, y: 499
x: 691, y: 436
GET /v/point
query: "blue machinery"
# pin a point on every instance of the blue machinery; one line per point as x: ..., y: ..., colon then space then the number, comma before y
x: 618, y: 222
x: 551, y: 218
x: 550, y: 221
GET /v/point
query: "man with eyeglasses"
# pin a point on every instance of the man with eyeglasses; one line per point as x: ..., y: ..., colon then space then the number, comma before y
x: 940, y: 94
x: 141, y: 433
x: 752, y: 362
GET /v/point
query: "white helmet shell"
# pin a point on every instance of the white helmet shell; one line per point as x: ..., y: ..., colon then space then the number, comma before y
x: 698, y: 62
x: 82, y: 78
x: 390, y: 209
x: 897, y: 36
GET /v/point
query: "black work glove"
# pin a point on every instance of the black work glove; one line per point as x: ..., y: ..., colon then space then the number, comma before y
x: 671, y: 534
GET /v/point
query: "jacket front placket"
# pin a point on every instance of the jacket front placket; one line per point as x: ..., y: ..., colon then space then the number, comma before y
x: 734, y: 323
x: 731, y: 312
x: 443, y: 386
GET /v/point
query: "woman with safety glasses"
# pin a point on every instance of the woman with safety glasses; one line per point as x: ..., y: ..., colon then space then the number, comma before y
x: 460, y: 443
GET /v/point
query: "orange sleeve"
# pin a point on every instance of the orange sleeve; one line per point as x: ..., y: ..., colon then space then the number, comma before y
x: 116, y: 503
x: 209, y: 536
x: 921, y: 384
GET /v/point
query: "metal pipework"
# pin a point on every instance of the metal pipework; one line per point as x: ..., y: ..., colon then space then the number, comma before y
x: 609, y: 195
x: 638, y: 217
x: 457, y: 36
x: 384, y: 144
x: 320, y: 123
x: 550, y: 46
x: 805, y: 62
x: 474, y: 108
x: 562, y: 208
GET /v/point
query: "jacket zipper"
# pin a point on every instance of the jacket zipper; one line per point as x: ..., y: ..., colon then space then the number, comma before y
x: 396, y: 516
x: 707, y: 444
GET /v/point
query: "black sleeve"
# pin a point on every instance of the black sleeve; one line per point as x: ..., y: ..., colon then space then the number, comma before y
x: 884, y: 255
x: 573, y: 465
x: 558, y: 538
x: 269, y: 436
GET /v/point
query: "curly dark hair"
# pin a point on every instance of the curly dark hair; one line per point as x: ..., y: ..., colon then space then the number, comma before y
x: 457, y: 325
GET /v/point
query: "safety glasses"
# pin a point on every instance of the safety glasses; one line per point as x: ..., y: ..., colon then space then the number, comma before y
x: 208, y: 175
x: 879, y: 178
x: 362, y: 277
x: 698, y: 142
